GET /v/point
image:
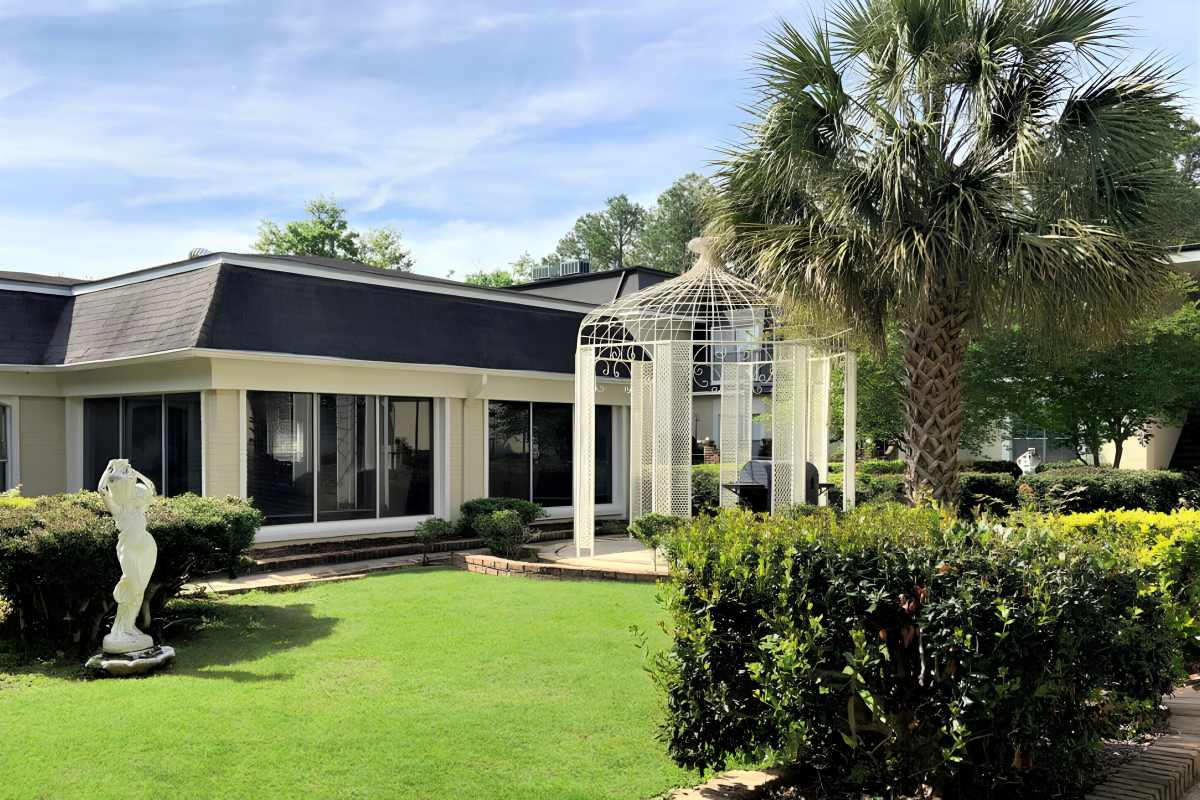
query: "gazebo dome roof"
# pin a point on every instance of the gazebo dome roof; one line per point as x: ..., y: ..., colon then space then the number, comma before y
x: 705, y: 299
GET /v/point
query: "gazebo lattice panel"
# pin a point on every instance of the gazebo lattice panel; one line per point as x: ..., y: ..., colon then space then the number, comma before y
x: 708, y: 332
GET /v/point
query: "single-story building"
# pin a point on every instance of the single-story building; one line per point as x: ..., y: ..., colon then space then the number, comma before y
x: 344, y: 399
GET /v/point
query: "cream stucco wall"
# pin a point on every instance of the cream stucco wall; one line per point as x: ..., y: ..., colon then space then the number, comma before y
x: 222, y: 442
x: 42, y: 439
x: 1155, y: 454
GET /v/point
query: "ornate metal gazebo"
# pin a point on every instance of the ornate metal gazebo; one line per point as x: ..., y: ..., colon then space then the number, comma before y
x: 709, y: 331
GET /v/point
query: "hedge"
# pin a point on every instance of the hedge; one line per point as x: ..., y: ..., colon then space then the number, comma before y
x: 706, y: 488
x: 895, y: 647
x: 1167, y: 544
x: 999, y: 467
x: 58, y: 562
x: 1090, y: 489
x: 480, y: 507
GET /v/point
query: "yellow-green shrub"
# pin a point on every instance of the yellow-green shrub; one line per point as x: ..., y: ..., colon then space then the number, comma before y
x: 1166, y: 543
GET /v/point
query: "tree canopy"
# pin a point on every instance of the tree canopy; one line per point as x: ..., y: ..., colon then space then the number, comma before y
x: 947, y: 163
x: 327, y: 233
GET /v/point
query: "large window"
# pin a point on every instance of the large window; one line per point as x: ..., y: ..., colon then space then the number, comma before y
x: 159, y: 434
x: 5, y: 459
x: 530, y: 452
x: 332, y: 457
x: 406, y: 456
x: 279, y: 458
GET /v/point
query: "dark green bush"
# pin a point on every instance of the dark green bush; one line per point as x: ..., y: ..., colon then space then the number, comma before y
x: 990, y: 491
x: 504, y: 532
x: 993, y: 467
x: 878, y: 487
x: 876, y: 466
x: 480, y: 507
x: 896, y: 647
x: 434, y: 529
x: 652, y: 529
x: 1051, y: 466
x: 706, y: 488
x: 1090, y: 489
x: 58, y: 562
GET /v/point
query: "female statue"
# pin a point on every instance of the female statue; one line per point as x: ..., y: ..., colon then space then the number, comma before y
x: 127, y: 493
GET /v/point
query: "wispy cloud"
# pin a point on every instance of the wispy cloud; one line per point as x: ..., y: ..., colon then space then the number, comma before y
x: 140, y: 129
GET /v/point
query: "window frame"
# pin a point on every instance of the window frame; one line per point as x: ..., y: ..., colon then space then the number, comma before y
x: 618, y: 457
x: 376, y: 523
x: 12, y: 456
x: 162, y: 486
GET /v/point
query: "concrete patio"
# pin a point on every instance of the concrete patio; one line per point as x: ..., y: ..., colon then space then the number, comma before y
x: 615, y: 553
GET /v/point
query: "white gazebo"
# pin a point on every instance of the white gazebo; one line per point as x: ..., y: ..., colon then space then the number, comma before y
x: 709, y: 331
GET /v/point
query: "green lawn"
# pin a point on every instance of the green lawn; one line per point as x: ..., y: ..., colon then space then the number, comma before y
x: 420, y: 684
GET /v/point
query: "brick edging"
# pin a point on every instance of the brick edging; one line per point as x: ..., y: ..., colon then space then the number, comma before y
x: 493, y: 565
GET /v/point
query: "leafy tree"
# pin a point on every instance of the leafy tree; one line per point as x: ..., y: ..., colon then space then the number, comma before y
x: 1098, y: 394
x: 1178, y: 219
x: 944, y: 163
x: 327, y: 233
x: 518, y: 271
x: 381, y: 247
x: 607, y: 237
x: 680, y: 215
x: 497, y: 278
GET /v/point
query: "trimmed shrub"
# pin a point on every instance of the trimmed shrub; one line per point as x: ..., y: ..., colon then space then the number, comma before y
x: 1090, y: 489
x: 990, y: 491
x: 431, y: 530
x: 1168, y: 544
x: 1051, y: 466
x: 483, y: 506
x: 611, y: 527
x: 706, y: 488
x: 653, y: 529
x: 504, y: 532
x: 58, y: 561
x: 877, y: 466
x: 897, y: 646
x: 879, y: 487
x: 994, y: 467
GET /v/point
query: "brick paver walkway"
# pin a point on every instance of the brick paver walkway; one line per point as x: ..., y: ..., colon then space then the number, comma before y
x: 1170, y: 767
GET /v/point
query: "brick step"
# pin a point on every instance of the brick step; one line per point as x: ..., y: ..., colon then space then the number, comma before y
x: 315, y: 554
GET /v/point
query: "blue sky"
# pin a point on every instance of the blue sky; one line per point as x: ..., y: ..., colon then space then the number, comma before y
x: 131, y: 132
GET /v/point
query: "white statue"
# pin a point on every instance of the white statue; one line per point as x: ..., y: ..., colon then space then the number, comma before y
x: 1029, y: 461
x: 127, y: 493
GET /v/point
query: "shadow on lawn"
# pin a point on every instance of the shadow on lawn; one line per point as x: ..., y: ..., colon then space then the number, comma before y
x: 207, y: 637
x: 210, y: 635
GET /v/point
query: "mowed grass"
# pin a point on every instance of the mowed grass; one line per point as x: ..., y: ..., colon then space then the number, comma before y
x: 418, y: 684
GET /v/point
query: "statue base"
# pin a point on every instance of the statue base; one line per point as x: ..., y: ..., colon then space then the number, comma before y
x: 139, y: 662
x: 132, y: 642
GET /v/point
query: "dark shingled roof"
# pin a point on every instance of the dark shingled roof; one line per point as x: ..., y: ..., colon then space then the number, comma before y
x: 596, y: 288
x: 239, y: 307
x: 33, y: 277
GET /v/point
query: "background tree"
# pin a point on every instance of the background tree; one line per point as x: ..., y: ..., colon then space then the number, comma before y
x: 1178, y: 220
x: 680, y: 215
x: 607, y: 237
x: 327, y: 233
x: 1094, y: 395
x: 382, y: 248
x: 518, y: 271
x: 943, y: 163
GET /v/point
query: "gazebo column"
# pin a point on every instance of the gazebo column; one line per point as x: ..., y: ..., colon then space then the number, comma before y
x: 789, y: 417
x: 820, y: 374
x: 584, y: 468
x: 849, y: 430
x: 737, y: 418
x: 672, y: 428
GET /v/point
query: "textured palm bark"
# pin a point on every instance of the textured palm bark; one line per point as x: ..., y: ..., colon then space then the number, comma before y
x: 934, y: 353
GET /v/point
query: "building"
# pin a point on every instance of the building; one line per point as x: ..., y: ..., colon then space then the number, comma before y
x: 343, y: 399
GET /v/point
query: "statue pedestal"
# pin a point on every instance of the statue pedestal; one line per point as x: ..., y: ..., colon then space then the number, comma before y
x: 137, y: 662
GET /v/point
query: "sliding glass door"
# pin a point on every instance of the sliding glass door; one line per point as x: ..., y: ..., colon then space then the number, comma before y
x: 159, y: 434
x: 531, y: 452
x: 334, y: 457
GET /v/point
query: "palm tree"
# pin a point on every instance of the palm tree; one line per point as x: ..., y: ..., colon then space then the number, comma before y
x: 946, y: 163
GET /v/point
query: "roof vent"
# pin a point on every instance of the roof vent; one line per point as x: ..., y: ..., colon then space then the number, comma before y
x: 196, y: 252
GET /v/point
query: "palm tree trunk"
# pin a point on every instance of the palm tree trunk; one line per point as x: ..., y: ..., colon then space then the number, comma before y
x: 934, y: 354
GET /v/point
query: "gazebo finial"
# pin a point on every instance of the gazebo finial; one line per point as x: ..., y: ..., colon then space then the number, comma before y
x: 705, y: 248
